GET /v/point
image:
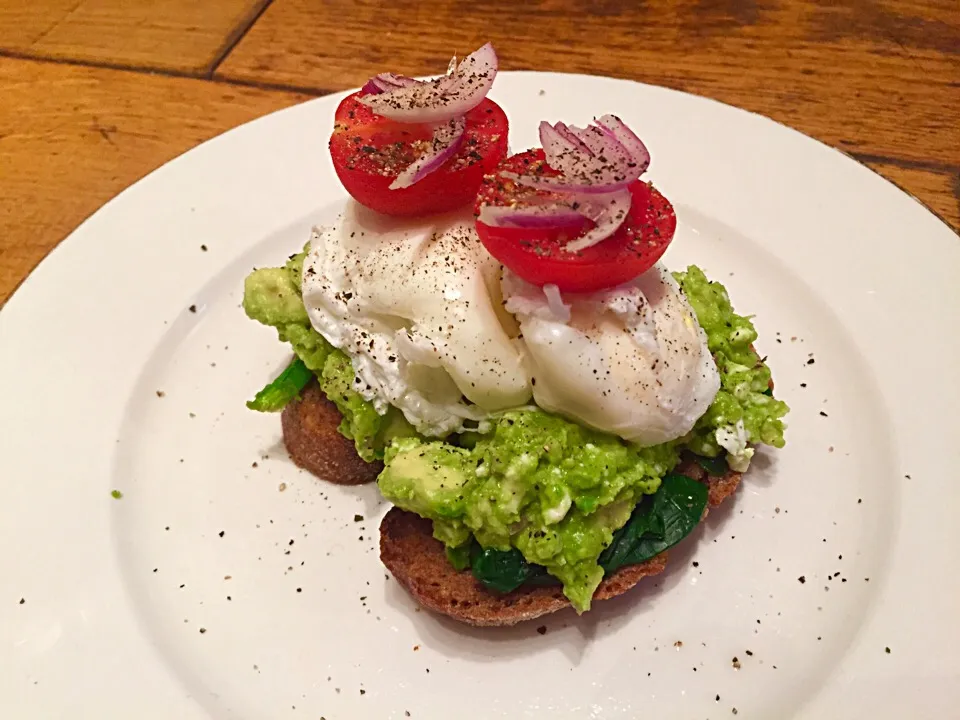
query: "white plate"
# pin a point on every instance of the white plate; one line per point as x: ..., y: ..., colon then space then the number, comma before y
x: 208, y: 593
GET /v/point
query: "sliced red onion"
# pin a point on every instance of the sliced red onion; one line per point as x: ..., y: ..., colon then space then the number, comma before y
x: 447, y: 139
x: 607, y: 211
x: 559, y: 185
x: 598, y: 159
x: 634, y: 145
x: 555, y: 302
x: 531, y: 216
x: 567, y: 134
x: 440, y: 99
x: 385, y: 82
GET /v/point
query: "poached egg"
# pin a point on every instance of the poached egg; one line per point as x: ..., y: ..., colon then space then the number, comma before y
x: 632, y: 360
x: 435, y: 327
x: 416, y: 306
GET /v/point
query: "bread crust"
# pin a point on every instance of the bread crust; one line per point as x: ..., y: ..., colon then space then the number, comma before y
x: 311, y: 437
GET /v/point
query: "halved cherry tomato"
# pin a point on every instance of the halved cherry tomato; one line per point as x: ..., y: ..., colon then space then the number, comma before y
x: 538, y: 255
x: 369, y: 151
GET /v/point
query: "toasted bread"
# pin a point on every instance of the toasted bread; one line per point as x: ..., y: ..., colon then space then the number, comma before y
x: 314, y: 443
x: 419, y: 563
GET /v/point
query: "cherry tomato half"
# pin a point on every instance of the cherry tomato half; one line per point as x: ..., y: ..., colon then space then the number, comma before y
x: 369, y: 151
x: 538, y: 255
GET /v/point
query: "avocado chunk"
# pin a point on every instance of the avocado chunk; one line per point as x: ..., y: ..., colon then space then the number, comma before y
x: 272, y: 296
x: 426, y: 478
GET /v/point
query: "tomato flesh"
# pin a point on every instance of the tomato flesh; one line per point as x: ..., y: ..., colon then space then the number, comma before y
x: 538, y: 255
x: 369, y: 151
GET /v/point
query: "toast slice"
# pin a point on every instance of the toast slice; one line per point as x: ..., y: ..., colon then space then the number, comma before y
x: 419, y: 563
x: 314, y: 443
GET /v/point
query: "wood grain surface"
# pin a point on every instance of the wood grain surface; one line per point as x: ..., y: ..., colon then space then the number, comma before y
x: 73, y: 137
x: 864, y: 75
x: 879, y: 79
x: 181, y: 35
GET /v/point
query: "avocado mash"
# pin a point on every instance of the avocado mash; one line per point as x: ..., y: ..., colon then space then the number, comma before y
x: 534, y: 483
x: 271, y: 296
x: 744, y: 409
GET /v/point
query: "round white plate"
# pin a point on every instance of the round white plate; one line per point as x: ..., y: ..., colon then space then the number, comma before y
x: 227, y: 584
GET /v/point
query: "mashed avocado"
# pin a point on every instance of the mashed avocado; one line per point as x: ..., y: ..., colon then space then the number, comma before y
x: 744, y: 410
x: 536, y: 484
x: 554, y: 490
x: 272, y: 297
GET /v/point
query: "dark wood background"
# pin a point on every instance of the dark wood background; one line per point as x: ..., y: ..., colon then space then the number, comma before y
x: 94, y: 94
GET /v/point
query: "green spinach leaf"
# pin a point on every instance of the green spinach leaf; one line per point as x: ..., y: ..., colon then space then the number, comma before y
x: 500, y: 570
x: 716, y: 466
x: 657, y: 523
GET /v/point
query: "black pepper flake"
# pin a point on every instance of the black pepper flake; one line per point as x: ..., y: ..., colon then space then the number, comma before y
x: 192, y: 308
x: 203, y: 247
x: 810, y: 361
x: 696, y: 564
x: 802, y: 579
x: 203, y: 631
x: 542, y: 629
x: 749, y: 652
x: 299, y: 589
x: 22, y: 600
x: 221, y: 533
x: 886, y: 650
x: 358, y: 518
x: 823, y: 414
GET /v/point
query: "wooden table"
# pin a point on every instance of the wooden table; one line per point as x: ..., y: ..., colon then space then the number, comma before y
x: 94, y: 94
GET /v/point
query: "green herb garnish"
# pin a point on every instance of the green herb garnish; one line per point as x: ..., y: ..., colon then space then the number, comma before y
x: 283, y: 389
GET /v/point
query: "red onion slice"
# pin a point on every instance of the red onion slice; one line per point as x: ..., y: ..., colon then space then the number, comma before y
x: 555, y: 302
x: 447, y: 139
x: 633, y: 144
x: 385, y: 82
x: 608, y: 212
x: 560, y: 185
x: 532, y: 216
x: 599, y: 159
x: 443, y: 98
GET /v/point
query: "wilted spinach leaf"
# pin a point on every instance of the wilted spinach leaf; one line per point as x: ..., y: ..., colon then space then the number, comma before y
x: 500, y: 570
x: 714, y: 466
x: 657, y: 523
